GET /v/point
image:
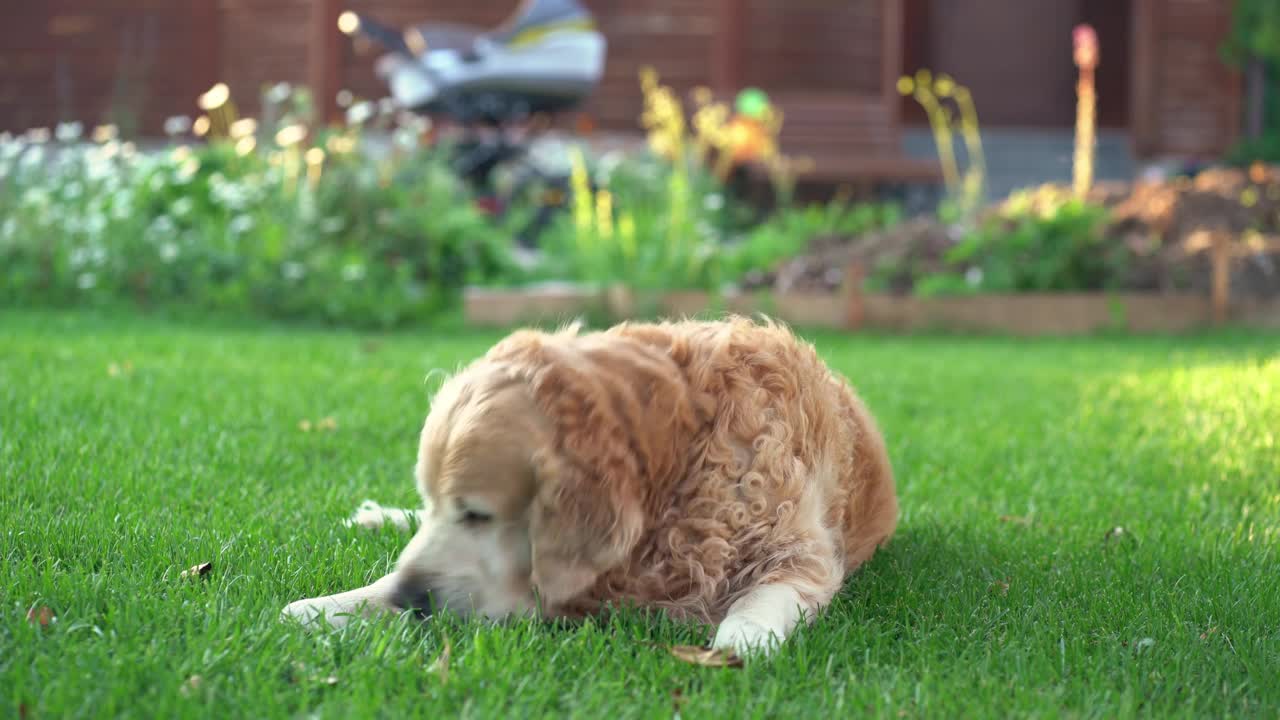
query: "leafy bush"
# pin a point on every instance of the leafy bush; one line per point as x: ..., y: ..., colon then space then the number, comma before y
x: 1034, y: 242
x: 1255, y: 38
x: 650, y: 224
x: 1246, y: 152
x: 284, y: 228
x: 790, y: 231
x: 643, y: 222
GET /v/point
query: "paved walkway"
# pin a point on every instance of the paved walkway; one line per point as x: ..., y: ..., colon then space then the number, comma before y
x: 1019, y: 157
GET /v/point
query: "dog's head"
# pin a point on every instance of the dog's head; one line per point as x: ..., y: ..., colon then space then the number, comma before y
x: 530, y: 490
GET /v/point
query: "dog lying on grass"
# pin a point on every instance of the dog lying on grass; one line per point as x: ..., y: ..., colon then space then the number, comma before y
x: 718, y: 471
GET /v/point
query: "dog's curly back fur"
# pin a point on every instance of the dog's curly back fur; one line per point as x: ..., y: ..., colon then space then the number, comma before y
x: 691, y: 461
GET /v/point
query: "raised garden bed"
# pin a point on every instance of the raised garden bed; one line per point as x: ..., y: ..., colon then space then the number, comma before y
x: 849, y: 309
x: 1196, y: 253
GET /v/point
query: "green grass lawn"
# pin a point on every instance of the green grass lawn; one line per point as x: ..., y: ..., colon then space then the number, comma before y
x: 133, y: 449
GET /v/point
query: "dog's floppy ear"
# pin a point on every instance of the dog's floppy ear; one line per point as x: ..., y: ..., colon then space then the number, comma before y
x: 587, y: 514
x: 582, y: 524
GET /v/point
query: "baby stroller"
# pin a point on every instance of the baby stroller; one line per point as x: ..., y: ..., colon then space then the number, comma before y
x: 545, y: 59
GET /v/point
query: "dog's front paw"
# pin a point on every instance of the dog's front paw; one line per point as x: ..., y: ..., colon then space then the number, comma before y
x: 310, y: 611
x: 372, y: 516
x: 746, y: 637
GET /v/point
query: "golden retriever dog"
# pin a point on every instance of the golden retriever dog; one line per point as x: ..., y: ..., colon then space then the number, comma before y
x: 716, y: 470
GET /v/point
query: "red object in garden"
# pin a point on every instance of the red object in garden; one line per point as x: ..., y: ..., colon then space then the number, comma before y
x: 489, y: 205
x: 1085, y: 40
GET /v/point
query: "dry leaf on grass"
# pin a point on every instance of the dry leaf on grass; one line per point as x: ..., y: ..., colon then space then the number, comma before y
x: 1023, y: 520
x: 325, y: 423
x: 300, y: 673
x: 706, y: 657
x: 41, y: 616
x: 440, y: 667
x: 118, y: 369
x: 198, y: 570
x: 1117, y: 534
x: 192, y: 684
x: 677, y: 701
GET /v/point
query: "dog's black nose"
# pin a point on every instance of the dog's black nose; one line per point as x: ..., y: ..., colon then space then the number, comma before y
x: 412, y: 594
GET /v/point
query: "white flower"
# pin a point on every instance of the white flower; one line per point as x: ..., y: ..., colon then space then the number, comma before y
x: 243, y: 128
x: 279, y: 92
x: 122, y: 205
x: 406, y: 139
x: 177, y: 125
x: 163, y: 225
x: 291, y: 135
x: 105, y: 133
x: 98, y: 255
x: 344, y: 98
x: 95, y: 224
x: 353, y: 272
x: 182, y: 207
x: 33, y: 158
x: 39, y: 135
x: 86, y: 281
x: 78, y: 258
x: 359, y: 113
x: 713, y: 202
x: 35, y: 197
x: 187, y: 170
x: 98, y: 168
x: 240, y: 225
x: 415, y: 123
x: 293, y: 271
x: 69, y: 132
x: 8, y: 228
x: 227, y: 194
x: 168, y: 252
x: 72, y: 190
x: 973, y: 276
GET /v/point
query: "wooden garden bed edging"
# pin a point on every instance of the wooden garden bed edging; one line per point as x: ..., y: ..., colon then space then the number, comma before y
x: 1015, y: 314
x: 534, y: 305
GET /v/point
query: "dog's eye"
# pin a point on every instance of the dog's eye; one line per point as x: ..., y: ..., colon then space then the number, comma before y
x: 474, y: 517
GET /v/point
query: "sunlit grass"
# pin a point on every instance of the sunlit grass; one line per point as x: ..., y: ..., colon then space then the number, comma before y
x: 1089, y: 530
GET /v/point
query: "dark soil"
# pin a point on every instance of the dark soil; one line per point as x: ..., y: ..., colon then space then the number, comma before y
x: 1167, y: 227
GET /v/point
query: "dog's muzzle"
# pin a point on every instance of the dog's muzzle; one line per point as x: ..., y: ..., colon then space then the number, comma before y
x: 412, y: 594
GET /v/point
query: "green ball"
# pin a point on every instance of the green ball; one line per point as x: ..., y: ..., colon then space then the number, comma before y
x: 752, y: 102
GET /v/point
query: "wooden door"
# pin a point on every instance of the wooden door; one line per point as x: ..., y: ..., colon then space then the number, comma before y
x: 1015, y: 56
